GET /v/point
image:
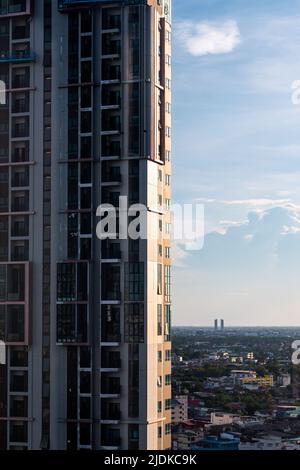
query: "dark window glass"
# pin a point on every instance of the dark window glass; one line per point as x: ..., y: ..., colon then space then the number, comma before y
x: 134, y: 323
x: 18, y: 357
x: 134, y: 281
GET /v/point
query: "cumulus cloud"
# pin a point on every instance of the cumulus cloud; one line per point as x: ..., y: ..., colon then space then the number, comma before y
x: 204, y: 38
x: 259, y: 258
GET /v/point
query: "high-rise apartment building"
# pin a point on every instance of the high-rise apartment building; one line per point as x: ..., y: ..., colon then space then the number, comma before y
x: 86, y: 322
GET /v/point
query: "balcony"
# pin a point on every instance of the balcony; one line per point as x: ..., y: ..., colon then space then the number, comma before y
x: 111, y: 99
x: 111, y: 388
x: 20, y: 154
x: 20, y: 80
x: 110, y: 416
x: 20, y: 228
x: 17, y: 56
x: 109, y: 442
x: 111, y: 176
x: 20, y: 32
x: 20, y: 106
x: 15, y: 7
x: 111, y: 125
x: 111, y: 49
x: 20, y: 179
x: 14, y: 303
x: 111, y: 296
x: 109, y: 336
x: 20, y: 130
x: 20, y: 203
x: 111, y: 23
x: 111, y: 74
x: 111, y: 150
x: 112, y: 198
x: 110, y: 362
x: 110, y: 252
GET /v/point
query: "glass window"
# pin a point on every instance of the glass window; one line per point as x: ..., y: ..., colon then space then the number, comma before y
x: 134, y: 323
x: 159, y: 321
x: 134, y: 281
x: 167, y: 429
x: 168, y: 379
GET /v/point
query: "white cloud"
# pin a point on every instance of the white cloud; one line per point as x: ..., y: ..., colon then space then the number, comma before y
x: 203, y: 38
x: 258, y: 203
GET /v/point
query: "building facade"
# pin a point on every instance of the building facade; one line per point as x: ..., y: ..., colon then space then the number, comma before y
x: 86, y: 322
x: 180, y: 405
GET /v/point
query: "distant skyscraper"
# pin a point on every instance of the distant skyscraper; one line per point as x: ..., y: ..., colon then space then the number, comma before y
x: 222, y: 325
x: 86, y: 323
x: 216, y: 325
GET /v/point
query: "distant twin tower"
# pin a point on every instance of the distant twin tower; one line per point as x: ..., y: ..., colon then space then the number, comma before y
x: 222, y: 325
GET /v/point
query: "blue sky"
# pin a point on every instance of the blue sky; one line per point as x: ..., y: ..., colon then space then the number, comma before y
x: 236, y: 148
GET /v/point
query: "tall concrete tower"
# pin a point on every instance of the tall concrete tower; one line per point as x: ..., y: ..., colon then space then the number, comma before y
x: 86, y: 323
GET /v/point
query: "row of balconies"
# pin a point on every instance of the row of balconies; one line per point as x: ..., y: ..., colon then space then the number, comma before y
x: 110, y: 148
x: 111, y: 99
x: 111, y: 124
x: 110, y: 72
x: 20, y: 78
x: 19, y: 202
x: 20, y: 130
x: 110, y: 412
x: 111, y: 174
x: 110, y: 360
x: 15, y: 7
x: 111, y: 47
x: 19, y: 32
x: 111, y: 22
x: 24, y: 55
x: 19, y: 228
x: 18, y: 154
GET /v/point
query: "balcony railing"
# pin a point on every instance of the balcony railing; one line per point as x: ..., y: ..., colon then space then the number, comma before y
x: 20, y: 205
x: 21, y: 81
x: 110, y: 441
x: 111, y: 175
x: 111, y: 251
x: 20, y: 130
x: 14, y: 7
x: 111, y: 294
x: 110, y: 98
x: 20, y: 106
x: 111, y: 74
x: 20, y: 180
x: 111, y: 415
x: 111, y: 149
x: 107, y: 337
x: 111, y: 22
x: 111, y: 48
x: 20, y: 155
x: 21, y: 32
x: 111, y: 363
x: 17, y: 56
x: 111, y: 390
x: 111, y: 125
x: 19, y: 229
